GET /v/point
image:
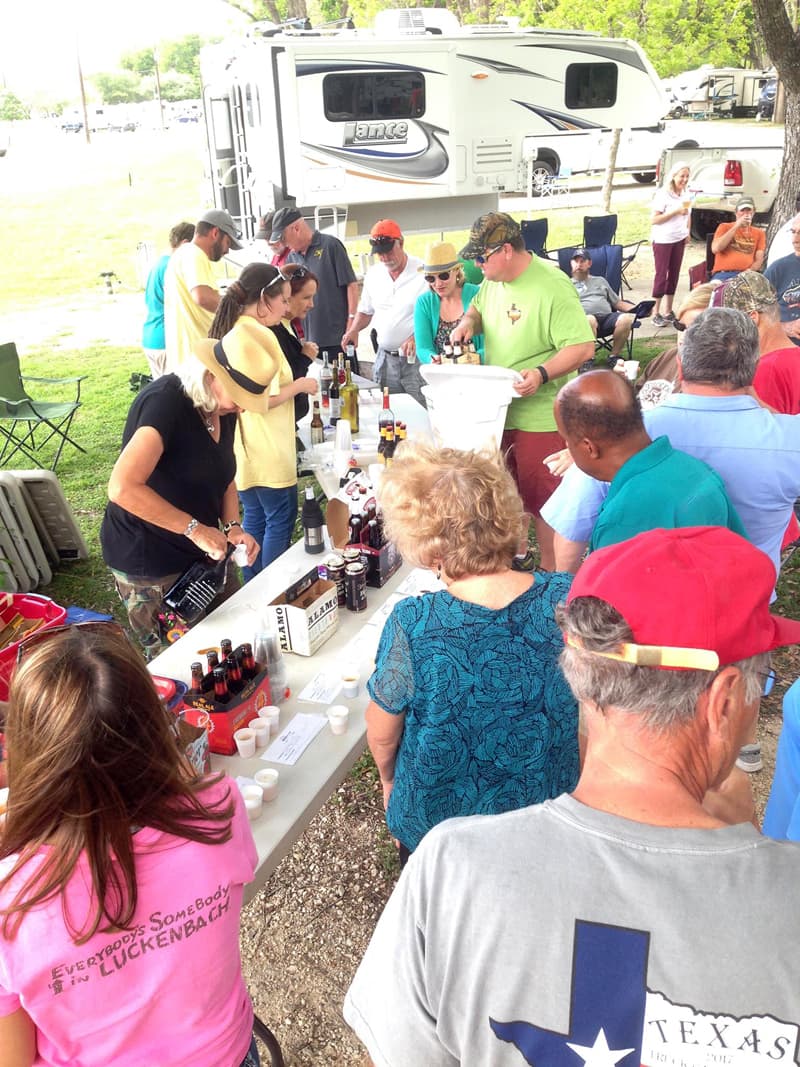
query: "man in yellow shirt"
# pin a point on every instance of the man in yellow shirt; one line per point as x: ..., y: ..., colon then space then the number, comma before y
x: 191, y: 295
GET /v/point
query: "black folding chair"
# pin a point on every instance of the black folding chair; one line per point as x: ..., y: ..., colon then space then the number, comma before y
x: 628, y: 256
x: 599, y: 230
x: 269, y: 1041
x: 534, y: 234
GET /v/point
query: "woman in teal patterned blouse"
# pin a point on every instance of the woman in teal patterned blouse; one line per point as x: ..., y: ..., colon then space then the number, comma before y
x: 470, y: 713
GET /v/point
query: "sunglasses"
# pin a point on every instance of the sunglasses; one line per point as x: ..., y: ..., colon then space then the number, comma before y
x: 768, y: 679
x: 443, y: 276
x: 236, y: 375
x: 299, y: 272
x: 27, y: 644
x: 487, y: 255
x: 279, y: 279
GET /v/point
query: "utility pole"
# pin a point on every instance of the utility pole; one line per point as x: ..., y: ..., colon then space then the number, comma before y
x: 158, y: 88
x: 83, y: 94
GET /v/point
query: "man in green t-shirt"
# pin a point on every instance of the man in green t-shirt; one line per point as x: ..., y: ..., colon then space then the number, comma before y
x: 533, y: 323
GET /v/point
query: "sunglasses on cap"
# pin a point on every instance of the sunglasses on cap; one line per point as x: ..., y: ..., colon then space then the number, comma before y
x: 442, y: 277
x: 27, y: 644
x: 236, y: 375
x: 487, y: 254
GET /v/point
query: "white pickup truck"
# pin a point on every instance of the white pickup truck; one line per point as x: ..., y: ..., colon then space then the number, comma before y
x: 719, y: 176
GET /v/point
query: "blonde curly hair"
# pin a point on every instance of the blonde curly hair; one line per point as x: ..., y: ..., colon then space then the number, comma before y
x: 462, y: 508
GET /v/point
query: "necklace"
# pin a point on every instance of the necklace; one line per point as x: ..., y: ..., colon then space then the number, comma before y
x: 208, y: 421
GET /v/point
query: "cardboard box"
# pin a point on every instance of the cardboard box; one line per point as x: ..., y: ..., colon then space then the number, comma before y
x: 381, y: 563
x: 225, y: 719
x: 306, y: 614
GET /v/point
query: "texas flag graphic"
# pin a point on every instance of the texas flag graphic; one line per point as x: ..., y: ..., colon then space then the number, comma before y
x: 616, y: 1021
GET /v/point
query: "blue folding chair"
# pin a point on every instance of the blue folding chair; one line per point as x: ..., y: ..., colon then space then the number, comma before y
x: 534, y: 234
x: 599, y: 230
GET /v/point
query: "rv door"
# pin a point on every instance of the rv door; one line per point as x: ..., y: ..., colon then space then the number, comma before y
x: 227, y: 149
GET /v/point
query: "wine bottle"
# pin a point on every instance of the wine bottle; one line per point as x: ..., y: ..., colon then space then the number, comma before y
x: 350, y: 401
x: 313, y: 523
x: 334, y: 399
x: 325, y: 378
x: 386, y: 415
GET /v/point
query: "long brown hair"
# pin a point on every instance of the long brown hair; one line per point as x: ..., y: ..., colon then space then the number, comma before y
x: 92, y: 756
x: 248, y: 287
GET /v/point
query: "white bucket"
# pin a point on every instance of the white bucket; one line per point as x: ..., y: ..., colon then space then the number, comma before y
x: 467, y: 404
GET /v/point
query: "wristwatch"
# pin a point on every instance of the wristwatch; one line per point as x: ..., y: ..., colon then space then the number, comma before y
x: 191, y: 527
x: 230, y: 525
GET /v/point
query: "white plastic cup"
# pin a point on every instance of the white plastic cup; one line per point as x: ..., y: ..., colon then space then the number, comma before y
x: 260, y: 728
x: 343, y: 441
x: 267, y: 781
x: 337, y: 717
x: 631, y: 369
x: 271, y: 714
x: 253, y: 799
x: 245, y: 742
x: 239, y: 555
x: 350, y: 683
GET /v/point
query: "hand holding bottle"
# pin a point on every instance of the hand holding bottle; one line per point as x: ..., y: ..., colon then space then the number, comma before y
x: 209, y: 539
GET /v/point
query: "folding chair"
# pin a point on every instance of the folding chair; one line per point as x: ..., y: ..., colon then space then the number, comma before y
x: 628, y: 256
x: 270, y: 1042
x: 557, y: 184
x: 599, y: 230
x: 701, y: 273
x: 22, y: 417
x: 534, y: 234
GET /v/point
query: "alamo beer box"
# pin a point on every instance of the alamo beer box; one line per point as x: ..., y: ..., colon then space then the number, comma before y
x: 307, y: 613
x: 224, y: 719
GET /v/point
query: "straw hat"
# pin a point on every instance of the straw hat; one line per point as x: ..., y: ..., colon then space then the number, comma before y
x: 239, y: 363
x: 440, y: 255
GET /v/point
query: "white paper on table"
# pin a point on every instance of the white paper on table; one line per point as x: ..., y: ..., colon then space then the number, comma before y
x: 421, y: 580
x: 294, y: 739
x: 321, y: 689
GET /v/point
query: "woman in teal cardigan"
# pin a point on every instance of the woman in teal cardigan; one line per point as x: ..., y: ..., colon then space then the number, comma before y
x: 439, y: 310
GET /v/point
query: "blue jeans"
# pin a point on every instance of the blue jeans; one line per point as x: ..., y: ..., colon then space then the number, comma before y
x: 269, y: 517
x: 252, y: 1058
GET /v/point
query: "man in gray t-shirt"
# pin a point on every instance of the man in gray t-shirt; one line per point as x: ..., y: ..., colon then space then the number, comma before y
x: 605, y: 309
x: 635, y: 922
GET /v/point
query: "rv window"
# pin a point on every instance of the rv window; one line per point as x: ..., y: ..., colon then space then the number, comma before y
x: 588, y: 85
x: 384, y: 95
x: 221, y: 120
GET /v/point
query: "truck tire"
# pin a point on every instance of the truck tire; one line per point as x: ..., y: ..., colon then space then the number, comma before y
x: 542, y: 170
x: 705, y: 222
x: 645, y: 177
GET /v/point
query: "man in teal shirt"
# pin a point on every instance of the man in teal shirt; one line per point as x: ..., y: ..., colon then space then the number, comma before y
x: 653, y: 486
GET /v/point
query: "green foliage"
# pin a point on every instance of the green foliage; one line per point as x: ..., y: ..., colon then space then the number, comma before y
x: 142, y: 63
x: 183, y: 56
x: 12, y: 108
x: 121, y: 88
x: 176, y: 87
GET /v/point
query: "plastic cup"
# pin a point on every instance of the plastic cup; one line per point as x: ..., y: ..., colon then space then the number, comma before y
x: 260, y: 728
x: 343, y: 441
x: 337, y: 717
x: 245, y: 742
x: 267, y: 780
x: 350, y: 683
x: 253, y: 799
x: 631, y: 369
x: 271, y: 714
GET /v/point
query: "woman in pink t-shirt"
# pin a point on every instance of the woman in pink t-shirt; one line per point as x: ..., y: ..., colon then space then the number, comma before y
x: 121, y: 873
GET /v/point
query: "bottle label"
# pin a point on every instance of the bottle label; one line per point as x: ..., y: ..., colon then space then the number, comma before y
x: 336, y: 407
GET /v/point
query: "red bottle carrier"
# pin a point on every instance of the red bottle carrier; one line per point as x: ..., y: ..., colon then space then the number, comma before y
x: 29, y: 606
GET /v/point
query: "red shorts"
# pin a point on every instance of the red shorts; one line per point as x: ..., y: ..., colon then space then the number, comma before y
x: 524, y: 452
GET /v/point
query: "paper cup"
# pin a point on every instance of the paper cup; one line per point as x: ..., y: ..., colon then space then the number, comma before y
x: 350, y: 683
x: 337, y: 717
x: 631, y: 369
x: 245, y: 742
x: 260, y: 728
x: 267, y: 780
x: 271, y: 714
x: 253, y: 800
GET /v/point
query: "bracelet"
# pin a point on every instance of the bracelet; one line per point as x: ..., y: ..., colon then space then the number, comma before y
x: 544, y: 374
x: 230, y: 525
x: 351, y: 316
x: 190, y: 529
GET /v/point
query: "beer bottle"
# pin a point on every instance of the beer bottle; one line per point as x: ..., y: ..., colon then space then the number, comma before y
x: 249, y: 669
x: 312, y: 523
x: 386, y: 416
x: 235, y: 681
x: 354, y: 537
x: 456, y: 352
x: 197, y: 678
x: 212, y: 659
x: 448, y: 351
x: 317, y: 427
x: 334, y: 399
x: 325, y: 378
x: 388, y: 453
x: 221, y: 693
x: 225, y: 647
x: 373, y: 534
x: 350, y: 401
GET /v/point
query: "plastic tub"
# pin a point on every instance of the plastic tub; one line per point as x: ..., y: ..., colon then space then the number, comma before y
x: 30, y: 606
x: 467, y: 404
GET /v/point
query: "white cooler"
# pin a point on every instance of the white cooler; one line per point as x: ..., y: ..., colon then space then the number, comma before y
x: 467, y: 403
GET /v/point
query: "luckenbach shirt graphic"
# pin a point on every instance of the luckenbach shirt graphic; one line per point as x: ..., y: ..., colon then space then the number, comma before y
x: 616, y: 1021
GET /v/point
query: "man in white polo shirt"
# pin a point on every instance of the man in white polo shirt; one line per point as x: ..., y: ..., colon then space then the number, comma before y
x: 390, y: 290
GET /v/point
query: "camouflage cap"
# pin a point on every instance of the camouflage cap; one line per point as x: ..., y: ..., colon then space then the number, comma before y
x: 749, y: 291
x: 490, y: 231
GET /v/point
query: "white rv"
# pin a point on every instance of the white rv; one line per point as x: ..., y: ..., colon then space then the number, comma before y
x: 420, y: 119
x: 728, y: 92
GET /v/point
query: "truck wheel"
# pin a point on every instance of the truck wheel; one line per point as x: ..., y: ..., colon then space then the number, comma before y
x: 706, y: 222
x: 541, y: 172
x: 645, y: 177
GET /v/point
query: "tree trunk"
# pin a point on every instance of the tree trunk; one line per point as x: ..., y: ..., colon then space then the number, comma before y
x: 609, y: 178
x: 783, y: 46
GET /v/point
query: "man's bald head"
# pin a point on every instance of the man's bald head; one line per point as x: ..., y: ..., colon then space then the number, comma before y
x: 599, y: 405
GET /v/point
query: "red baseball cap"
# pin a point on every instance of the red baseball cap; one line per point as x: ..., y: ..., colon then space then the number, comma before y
x: 384, y: 231
x: 693, y: 597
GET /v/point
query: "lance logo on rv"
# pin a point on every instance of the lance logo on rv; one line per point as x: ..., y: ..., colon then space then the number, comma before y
x: 391, y: 132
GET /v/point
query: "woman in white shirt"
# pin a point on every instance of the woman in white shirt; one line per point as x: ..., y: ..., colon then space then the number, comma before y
x: 669, y: 236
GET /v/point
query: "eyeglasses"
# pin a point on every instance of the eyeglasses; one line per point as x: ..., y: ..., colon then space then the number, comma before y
x: 94, y: 626
x: 768, y: 678
x: 443, y: 276
x: 487, y: 255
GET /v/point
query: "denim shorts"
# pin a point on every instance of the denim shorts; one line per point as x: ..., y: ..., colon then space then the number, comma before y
x: 252, y: 1058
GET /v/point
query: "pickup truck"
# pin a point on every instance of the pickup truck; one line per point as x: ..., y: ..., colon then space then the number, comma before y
x: 719, y: 176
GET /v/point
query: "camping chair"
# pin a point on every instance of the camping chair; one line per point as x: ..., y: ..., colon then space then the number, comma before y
x: 557, y: 184
x: 599, y: 230
x: 607, y: 263
x: 534, y: 234
x: 628, y: 256
x: 701, y: 273
x: 270, y: 1042
x: 22, y: 417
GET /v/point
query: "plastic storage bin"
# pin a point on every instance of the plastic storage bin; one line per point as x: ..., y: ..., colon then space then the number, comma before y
x: 467, y: 404
x: 30, y: 606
